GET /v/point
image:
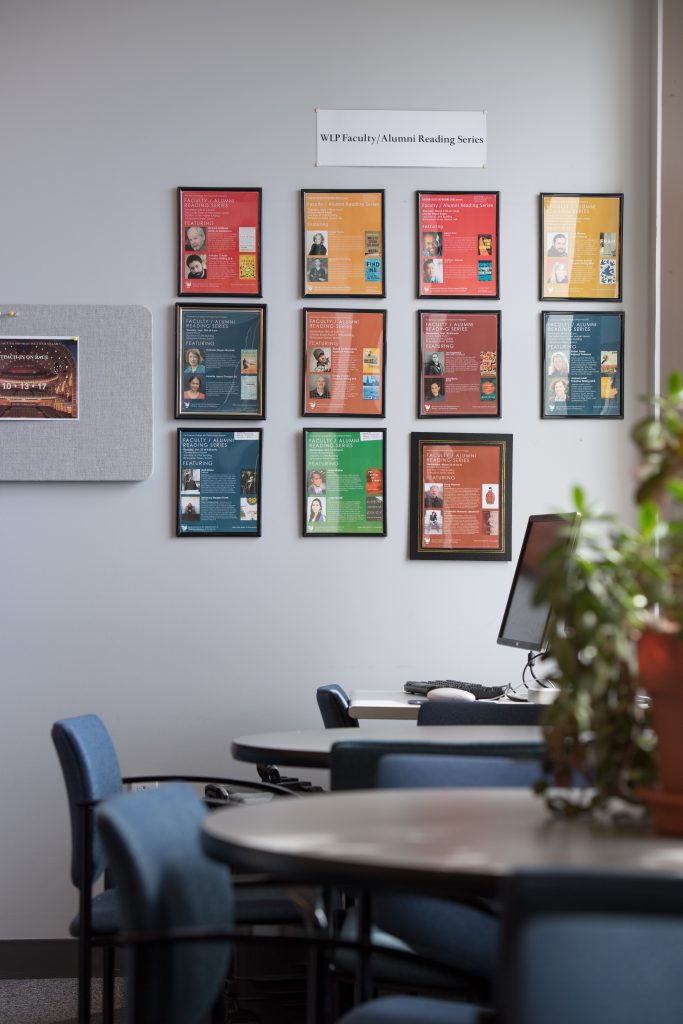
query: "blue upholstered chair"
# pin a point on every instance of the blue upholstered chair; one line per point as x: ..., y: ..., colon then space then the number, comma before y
x: 92, y: 775
x: 478, y: 712
x: 333, y: 701
x: 166, y: 881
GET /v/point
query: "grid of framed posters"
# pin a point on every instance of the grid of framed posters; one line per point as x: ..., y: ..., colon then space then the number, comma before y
x: 460, y: 496
x: 343, y: 243
x: 582, y: 366
x: 344, y: 483
x: 344, y: 355
x: 220, y: 361
x: 459, y: 364
x: 458, y: 245
x: 219, y: 483
x: 219, y: 241
x: 581, y: 245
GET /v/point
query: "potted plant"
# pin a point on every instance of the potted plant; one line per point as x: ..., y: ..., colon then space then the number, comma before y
x: 617, y: 599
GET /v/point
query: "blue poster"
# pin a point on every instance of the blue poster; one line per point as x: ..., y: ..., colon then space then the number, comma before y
x: 221, y: 357
x: 219, y: 483
x: 583, y: 365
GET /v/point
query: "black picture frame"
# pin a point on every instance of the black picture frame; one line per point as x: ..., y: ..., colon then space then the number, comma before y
x: 237, y: 475
x: 476, y: 467
x: 351, y: 405
x: 477, y: 390
x: 226, y: 252
x: 368, y: 244
x: 233, y: 370
x: 477, y: 231
x: 366, y: 463
x: 595, y: 252
x: 595, y: 340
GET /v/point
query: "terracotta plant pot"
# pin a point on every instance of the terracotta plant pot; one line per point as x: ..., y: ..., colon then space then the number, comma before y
x: 660, y: 663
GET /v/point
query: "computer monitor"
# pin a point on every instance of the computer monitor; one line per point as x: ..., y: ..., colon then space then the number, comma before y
x: 525, y: 624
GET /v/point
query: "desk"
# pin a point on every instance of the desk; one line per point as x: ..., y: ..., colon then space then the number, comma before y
x: 448, y: 841
x: 310, y: 748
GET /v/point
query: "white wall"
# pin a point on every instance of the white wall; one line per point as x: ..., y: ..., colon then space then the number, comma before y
x: 182, y: 645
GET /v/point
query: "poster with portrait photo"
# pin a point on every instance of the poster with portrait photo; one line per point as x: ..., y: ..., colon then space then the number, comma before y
x: 458, y: 245
x: 38, y: 378
x: 344, y: 483
x: 343, y: 358
x: 581, y: 246
x: 582, y: 366
x: 219, y: 483
x: 219, y: 241
x: 220, y: 361
x: 460, y: 496
x: 459, y: 356
x: 343, y: 243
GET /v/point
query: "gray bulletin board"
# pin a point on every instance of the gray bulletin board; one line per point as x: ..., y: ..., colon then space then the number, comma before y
x: 112, y: 437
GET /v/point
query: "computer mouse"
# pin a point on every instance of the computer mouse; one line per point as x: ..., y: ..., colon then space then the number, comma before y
x: 449, y: 693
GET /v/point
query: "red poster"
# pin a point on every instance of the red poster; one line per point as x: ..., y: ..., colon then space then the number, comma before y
x: 461, y: 487
x: 220, y: 241
x: 459, y: 364
x: 344, y: 362
x: 458, y: 244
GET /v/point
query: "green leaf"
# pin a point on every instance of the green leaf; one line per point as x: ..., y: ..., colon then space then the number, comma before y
x: 675, y: 383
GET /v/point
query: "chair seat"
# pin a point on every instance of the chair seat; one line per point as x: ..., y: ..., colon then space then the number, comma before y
x: 106, y: 915
x: 415, y: 1010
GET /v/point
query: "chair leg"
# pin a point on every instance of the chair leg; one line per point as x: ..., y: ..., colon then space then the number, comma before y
x: 108, y: 960
x: 84, y: 970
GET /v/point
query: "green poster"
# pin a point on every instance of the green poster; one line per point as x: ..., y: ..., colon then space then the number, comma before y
x: 344, y: 483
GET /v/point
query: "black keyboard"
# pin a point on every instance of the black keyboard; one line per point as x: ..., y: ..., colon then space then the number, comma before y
x: 421, y: 689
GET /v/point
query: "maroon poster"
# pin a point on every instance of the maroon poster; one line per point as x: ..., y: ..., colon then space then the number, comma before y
x: 459, y: 364
x: 220, y: 241
x: 457, y: 241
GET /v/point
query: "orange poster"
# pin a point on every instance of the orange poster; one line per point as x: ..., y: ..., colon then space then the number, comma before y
x: 581, y: 243
x: 343, y: 238
x: 344, y: 352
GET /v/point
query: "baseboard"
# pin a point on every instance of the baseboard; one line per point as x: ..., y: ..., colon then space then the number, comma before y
x: 41, y: 958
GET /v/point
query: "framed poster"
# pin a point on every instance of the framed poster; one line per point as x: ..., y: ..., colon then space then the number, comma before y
x: 343, y: 243
x: 460, y: 496
x: 38, y: 378
x: 220, y: 361
x: 581, y: 246
x: 344, y: 357
x: 458, y: 364
x: 219, y: 483
x: 582, y: 366
x: 219, y: 243
x: 344, y: 483
x: 458, y: 245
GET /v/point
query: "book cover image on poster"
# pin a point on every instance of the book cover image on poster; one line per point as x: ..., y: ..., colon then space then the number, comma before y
x: 457, y: 243
x: 219, y: 483
x: 459, y: 356
x: 583, y: 366
x: 460, y: 496
x: 581, y: 247
x: 344, y: 353
x: 344, y: 483
x: 221, y: 354
x: 38, y: 378
x: 220, y: 241
x: 343, y: 239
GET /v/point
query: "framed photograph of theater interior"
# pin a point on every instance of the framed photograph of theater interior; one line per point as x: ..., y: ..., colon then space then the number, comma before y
x: 220, y: 361
x: 219, y: 483
x: 458, y: 245
x: 458, y: 363
x: 344, y: 484
x: 461, y: 496
x: 343, y: 243
x: 581, y: 246
x: 582, y: 366
x: 219, y: 242
x: 344, y: 355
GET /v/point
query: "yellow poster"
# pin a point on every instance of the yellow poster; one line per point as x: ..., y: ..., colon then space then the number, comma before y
x: 343, y: 235
x: 581, y: 246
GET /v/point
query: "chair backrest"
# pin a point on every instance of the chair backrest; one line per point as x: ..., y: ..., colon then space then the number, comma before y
x: 478, y: 712
x: 91, y: 773
x: 428, y: 771
x: 354, y: 762
x: 592, y: 947
x: 165, y: 880
x: 333, y: 701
